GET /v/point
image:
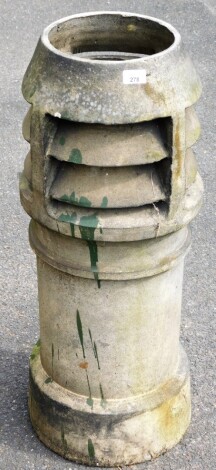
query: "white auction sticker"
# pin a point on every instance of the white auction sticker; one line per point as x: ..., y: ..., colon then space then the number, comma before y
x: 134, y: 77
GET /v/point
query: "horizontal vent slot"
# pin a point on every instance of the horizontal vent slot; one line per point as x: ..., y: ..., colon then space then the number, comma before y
x: 95, y: 187
x: 111, y: 146
x: 150, y: 137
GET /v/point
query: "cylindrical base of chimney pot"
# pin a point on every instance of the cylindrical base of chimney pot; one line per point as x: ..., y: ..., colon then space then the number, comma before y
x: 123, y: 431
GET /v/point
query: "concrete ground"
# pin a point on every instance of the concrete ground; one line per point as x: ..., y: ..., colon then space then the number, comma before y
x: 22, y: 21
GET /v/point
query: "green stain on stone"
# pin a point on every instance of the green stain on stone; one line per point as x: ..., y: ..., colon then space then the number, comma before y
x: 92, y: 246
x: 87, y: 226
x: 91, y: 450
x: 90, y: 336
x: 69, y: 218
x: 96, y: 354
x: 90, y: 402
x: 48, y: 380
x: 70, y: 199
x: 103, y: 401
x: 94, y: 347
x: 84, y: 201
x: 73, y: 199
x: 98, y: 281
x: 75, y: 156
x: 62, y: 140
x: 64, y: 198
x: 72, y: 230
x: 104, y: 202
x: 80, y: 332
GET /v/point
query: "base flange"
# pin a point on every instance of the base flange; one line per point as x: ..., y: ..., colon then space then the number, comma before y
x: 112, y: 432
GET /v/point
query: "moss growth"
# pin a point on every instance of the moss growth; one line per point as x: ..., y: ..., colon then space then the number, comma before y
x: 35, y: 350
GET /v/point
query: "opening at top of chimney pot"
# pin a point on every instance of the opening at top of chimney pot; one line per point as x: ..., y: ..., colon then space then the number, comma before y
x: 110, y: 36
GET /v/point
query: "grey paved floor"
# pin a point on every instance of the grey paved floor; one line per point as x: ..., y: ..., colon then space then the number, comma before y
x: 21, y: 23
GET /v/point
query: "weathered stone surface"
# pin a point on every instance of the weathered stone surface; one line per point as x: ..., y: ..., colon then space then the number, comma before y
x: 108, y: 187
x: 128, y: 260
x: 129, y: 430
x: 129, y: 144
x: 172, y: 84
x: 111, y: 184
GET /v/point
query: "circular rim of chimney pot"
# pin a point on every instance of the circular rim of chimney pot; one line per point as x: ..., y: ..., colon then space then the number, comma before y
x: 50, y: 38
x: 64, y: 82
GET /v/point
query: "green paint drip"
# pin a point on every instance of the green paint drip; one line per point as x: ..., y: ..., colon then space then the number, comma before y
x: 101, y: 230
x: 90, y: 336
x: 66, y: 198
x: 98, y: 280
x: 72, y: 230
x: 103, y: 401
x: 69, y: 218
x: 96, y: 355
x: 62, y: 140
x: 73, y: 199
x: 87, y: 227
x: 84, y: 201
x: 80, y: 332
x: 91, y: 450
x: 75, y: 156
x: 89, y: 400
x: 92, y: 246
x: 94, y: 347
x: 104, y: 202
